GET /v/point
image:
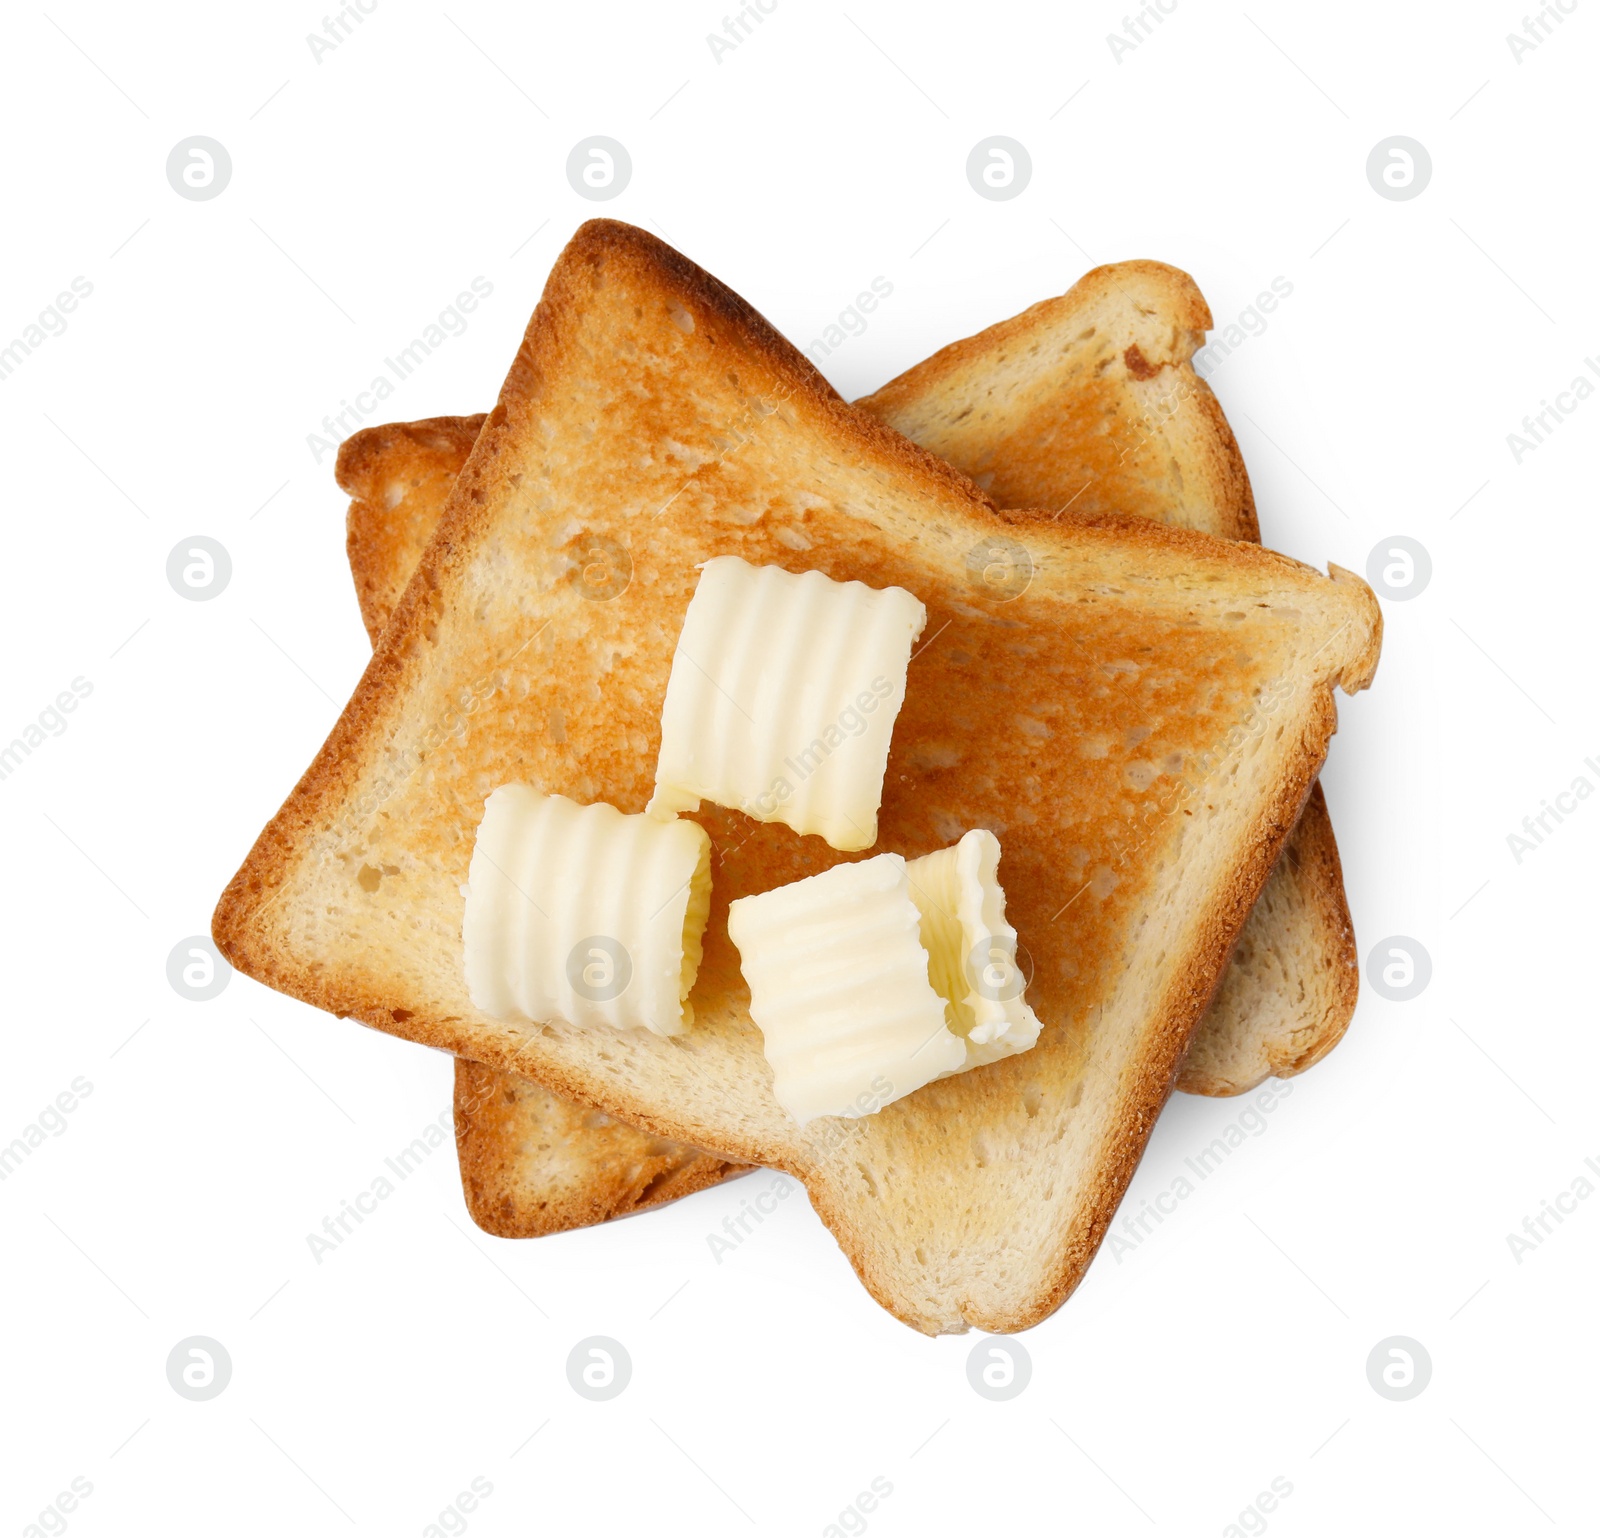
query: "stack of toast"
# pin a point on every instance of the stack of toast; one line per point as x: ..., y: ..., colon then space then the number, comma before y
x: 1114, y: 678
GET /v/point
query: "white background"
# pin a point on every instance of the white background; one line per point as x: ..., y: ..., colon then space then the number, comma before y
x: 827, y: 149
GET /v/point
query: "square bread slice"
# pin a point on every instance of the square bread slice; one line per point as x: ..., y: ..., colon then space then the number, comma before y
x: 1088, y: 401
x: 1140, y: 723
x: 1105, y: 407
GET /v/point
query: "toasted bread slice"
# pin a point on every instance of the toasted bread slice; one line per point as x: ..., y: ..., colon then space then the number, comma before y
x: 1086, y: 402
x: 1090, y: 403
x: 532, y: 1162
x: 1140, y: 725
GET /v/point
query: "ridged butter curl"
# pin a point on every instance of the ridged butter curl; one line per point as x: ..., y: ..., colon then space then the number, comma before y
x: 782, y: 698
x: 584, y: 914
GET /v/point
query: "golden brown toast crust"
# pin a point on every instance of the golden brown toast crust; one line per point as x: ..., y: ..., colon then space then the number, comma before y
x: 533, y: 1163
x: 436, y: 720
x: 398, y: 477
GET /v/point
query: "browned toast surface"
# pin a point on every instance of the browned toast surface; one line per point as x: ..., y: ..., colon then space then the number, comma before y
x: 534, y: 1162
x: 1090, y: 402
x: 1141, y: 725
x: 1087, y: 401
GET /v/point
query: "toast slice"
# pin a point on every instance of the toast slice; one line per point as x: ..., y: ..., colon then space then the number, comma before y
x: 1076, y: 431
x: 1089, y: 402
x: 1184, y: 682
x: 532, y: 1162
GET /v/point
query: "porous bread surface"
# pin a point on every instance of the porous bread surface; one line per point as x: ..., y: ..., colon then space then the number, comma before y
x: 1087, y: 401
x: 1290, y: 988
x: 534, y: 1162
x: 650, y: 407
x: 531, y: 1161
